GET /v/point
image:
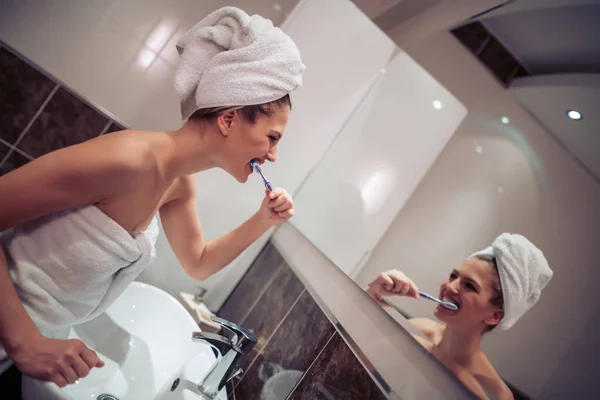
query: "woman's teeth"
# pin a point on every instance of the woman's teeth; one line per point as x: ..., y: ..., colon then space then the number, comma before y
x: 446, y: 299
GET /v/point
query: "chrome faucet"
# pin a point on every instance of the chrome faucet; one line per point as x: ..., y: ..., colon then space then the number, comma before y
x: 233, y: 343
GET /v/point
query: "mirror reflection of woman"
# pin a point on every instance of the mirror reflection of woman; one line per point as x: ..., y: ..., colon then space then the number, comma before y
x: 492, y: 288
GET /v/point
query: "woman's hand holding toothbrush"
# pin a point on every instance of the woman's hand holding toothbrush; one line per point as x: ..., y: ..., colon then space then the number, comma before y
x: 391, y: 283
x: 276, y: 208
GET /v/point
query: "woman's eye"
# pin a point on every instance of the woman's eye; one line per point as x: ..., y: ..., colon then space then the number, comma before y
x: 452, y: 277
x: 273, y: 139
x: 471, y: 287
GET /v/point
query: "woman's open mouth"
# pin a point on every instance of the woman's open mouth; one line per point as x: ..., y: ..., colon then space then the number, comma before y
x: 443, y: 309
x: 451, y: 300
x: 249, y: 169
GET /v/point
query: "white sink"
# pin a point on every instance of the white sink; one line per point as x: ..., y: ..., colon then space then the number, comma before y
x: 144, y: 338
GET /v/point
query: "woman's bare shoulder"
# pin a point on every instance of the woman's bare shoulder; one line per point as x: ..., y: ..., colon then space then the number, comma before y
x: 428, y: 327
x: 77, y: 175
x: 487, y: 375
x: 426, y: 343
x: 132, y: 147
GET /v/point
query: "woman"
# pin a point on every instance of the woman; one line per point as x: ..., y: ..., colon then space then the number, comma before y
x: 494, y: 287
x: 78, y: 225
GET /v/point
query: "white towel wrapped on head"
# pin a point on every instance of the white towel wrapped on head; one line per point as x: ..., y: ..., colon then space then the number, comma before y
x: 233, y: 59
x: 523, y: 271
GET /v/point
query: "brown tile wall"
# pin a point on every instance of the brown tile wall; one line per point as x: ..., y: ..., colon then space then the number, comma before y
x: 299, y: 354
x: 490, y: 52
x: 38, y: 115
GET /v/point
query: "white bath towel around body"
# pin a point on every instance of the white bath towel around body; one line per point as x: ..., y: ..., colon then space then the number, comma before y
x: 69, y: 267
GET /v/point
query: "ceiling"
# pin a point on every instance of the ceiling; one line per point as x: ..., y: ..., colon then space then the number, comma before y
x: 556, y: 41
x: 548, y: 97
x: 550, y: 38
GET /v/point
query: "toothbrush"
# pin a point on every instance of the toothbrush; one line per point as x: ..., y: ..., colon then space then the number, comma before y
x: 256, y: 167
x: 447, y: 304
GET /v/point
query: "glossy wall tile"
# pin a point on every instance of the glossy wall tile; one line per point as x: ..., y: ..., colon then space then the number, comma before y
x: 289, y: 353
x: 336, y: 374
x: 473, y: 36
x: 294, y: 338
x: 114, y: 127
x: 23, y: 90
x: 272, y: 308
x: 480, y: 41
x: 495, y: 56
x: 38, y: 115
x: 4, y: 151
x: 65, y: 121
x: 251, y: 287
x: 14, y: 161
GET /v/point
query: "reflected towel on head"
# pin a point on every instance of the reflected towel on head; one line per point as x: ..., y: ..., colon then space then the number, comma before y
x: 523, y: 271
x: 233, y: 59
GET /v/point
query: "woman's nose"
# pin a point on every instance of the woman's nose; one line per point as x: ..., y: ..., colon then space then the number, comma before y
x: 453, y: 286
x: 272, y: 155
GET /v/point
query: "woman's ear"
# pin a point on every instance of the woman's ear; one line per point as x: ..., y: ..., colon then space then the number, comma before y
x: 495, y: 317
x: 225, y: 122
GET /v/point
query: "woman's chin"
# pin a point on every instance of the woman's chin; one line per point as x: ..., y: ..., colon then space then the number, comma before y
x: 245, y: 174
x: 443, y: 314
x: 440, y: 316
x: 242, y: 178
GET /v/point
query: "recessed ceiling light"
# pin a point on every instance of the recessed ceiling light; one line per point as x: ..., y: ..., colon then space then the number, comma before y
x: 505, y: 120
x: 437, y: 105
x: 574, y: 115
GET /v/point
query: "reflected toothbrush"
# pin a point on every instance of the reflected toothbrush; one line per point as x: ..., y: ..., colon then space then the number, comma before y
x: 447, y: 304
x: 256, y: 167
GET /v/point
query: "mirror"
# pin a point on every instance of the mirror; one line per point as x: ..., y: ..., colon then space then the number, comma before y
x: 467, y: 133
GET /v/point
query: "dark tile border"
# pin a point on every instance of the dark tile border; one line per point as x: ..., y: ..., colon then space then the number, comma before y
x: 113, y: 124
x: 59, y: 82
x: 489, y: 51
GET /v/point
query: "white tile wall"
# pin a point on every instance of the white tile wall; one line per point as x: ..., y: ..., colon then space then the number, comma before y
x: 376, y: 162
x: 339, y: 72
x: 119, y: 55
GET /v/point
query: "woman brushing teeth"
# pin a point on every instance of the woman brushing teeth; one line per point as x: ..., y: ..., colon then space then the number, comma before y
x: 493, y: 287
x: 80, y: 224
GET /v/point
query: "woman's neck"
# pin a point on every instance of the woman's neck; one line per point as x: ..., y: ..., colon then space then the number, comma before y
x: 190, y: 149
x: 460, y: 345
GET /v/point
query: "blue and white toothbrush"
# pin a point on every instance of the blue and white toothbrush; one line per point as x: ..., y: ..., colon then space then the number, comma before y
x: 256, y: 167
x: 447, y: 304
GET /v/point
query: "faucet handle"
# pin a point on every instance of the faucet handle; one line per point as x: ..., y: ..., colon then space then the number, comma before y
x: 218, y: 342
x: 200, y: 294
x: 237, y: 371
x: 242, y: 338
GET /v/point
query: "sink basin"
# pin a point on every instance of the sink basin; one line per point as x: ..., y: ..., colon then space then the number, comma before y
x: 144, y: 338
